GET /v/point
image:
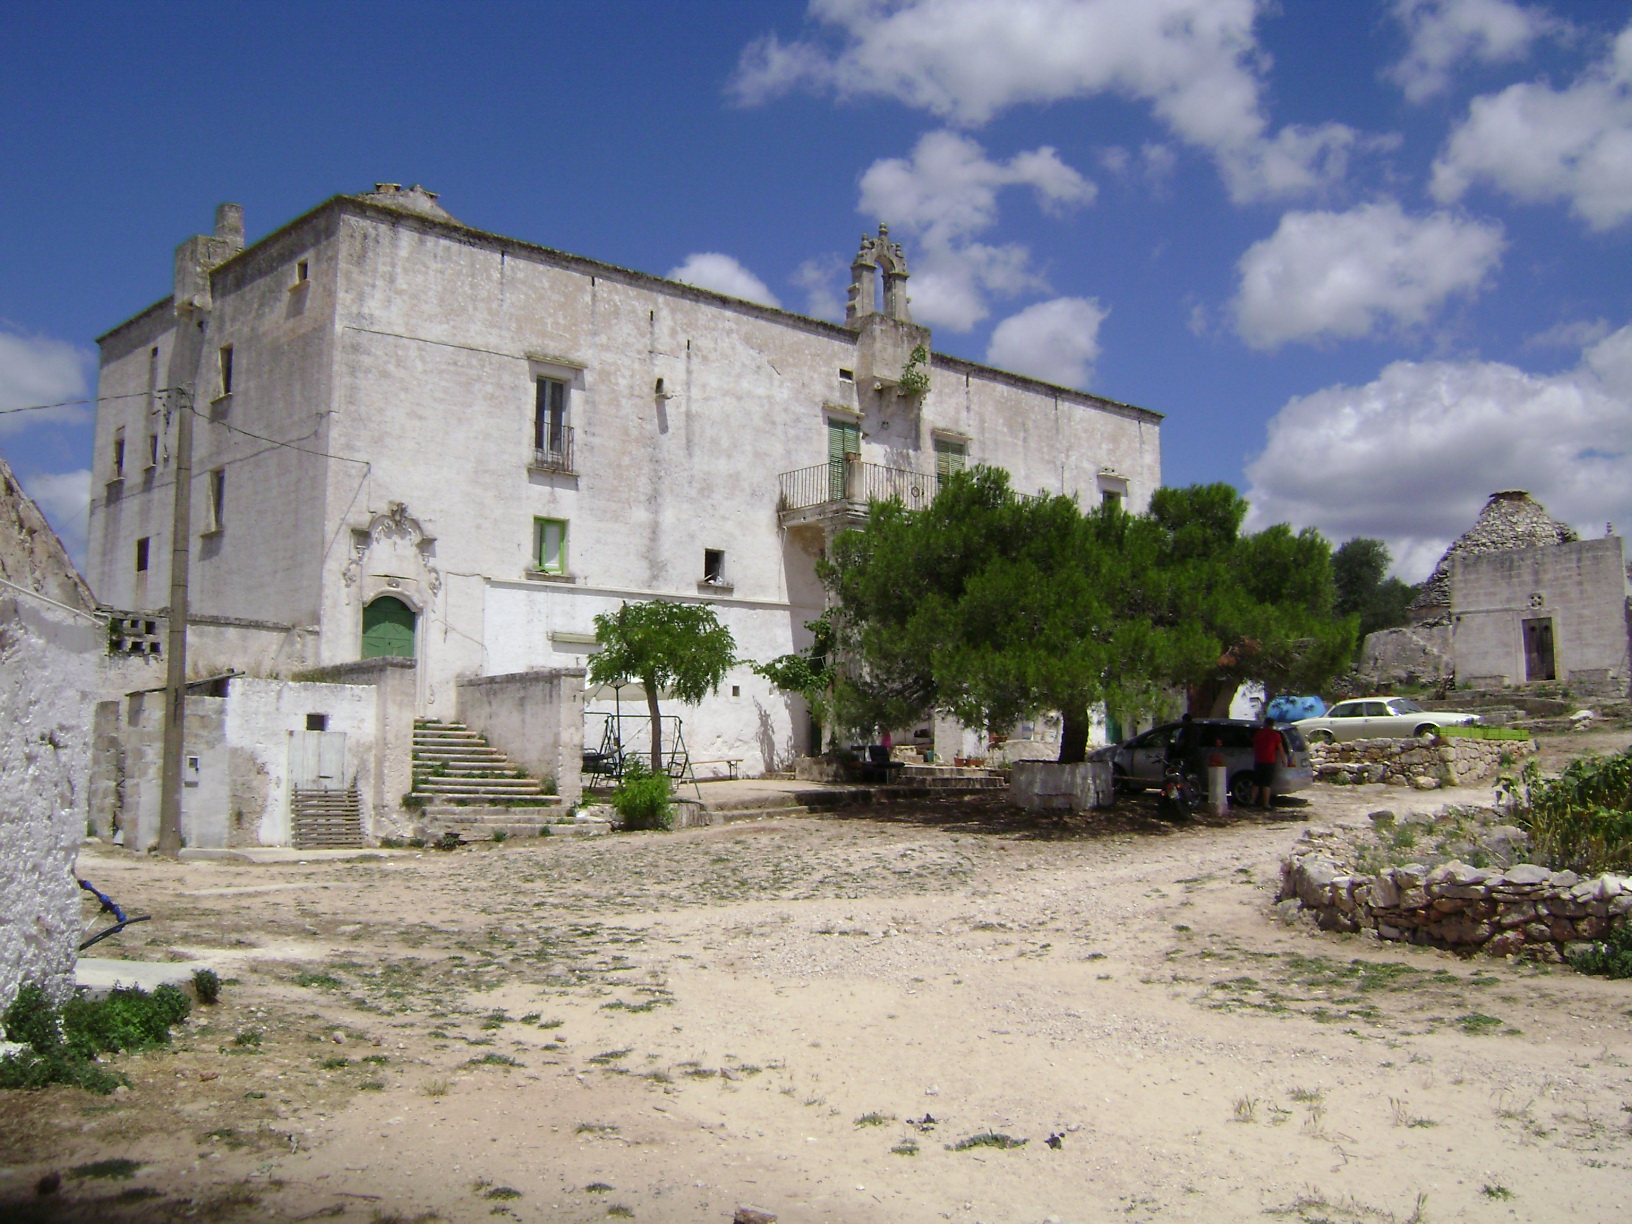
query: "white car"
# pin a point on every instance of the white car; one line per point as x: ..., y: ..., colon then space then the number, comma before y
x: 1379, y: 718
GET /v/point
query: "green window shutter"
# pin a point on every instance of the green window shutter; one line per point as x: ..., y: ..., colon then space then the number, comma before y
x: 949, y: 458
x: 550, y: 545
x: 843, y: 438
x: 388, y: 629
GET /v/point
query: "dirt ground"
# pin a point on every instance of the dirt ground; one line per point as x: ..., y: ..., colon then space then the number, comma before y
x: 812, y: 1016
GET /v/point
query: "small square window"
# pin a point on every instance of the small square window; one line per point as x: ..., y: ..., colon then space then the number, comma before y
x: 550, y: 545
x: 226, y: 369
x: 317, y: 722
x: 714, y: 566
x: 847, y: 376
x: 141, y: 554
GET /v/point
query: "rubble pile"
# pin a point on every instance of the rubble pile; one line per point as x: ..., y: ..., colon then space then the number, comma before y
x: 1420, y: 763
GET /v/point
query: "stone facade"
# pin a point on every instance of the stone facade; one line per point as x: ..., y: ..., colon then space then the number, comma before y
x: 50, y: 646
x: 1425, y: 765
x: 1523, y: 908
x: 704, y: 448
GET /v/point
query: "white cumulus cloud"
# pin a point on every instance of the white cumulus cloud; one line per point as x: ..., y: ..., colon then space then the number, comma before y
x: 1540, y: 144
x: 1410, y: 457
x: 65, y: 500
x: 1444, y: 33
x: 723, y: 274
x: 1330, y: 274
x: 944, y: 194
x: 1197, y: 63
x: 1056, y: 341
x: 39, y: 370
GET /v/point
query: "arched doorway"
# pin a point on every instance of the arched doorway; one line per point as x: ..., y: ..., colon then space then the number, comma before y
x: 388, y: 629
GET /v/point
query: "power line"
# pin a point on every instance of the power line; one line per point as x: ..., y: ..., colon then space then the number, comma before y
x: 276, y: 442
x: 95, y: 399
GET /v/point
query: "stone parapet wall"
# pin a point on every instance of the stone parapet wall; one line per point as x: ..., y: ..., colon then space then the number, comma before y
x: 1420, y: 763
x: 1520, y: 909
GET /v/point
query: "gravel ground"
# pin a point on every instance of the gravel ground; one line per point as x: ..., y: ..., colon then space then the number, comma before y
x: 811, y: 1015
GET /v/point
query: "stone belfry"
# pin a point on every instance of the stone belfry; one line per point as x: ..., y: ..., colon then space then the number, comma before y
x: 876, y: 255
x: 887, y: 339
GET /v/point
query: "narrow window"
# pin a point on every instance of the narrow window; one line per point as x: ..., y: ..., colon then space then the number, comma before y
x: 317, y: 722
x: 550, y: 545
x: 218, y: 499
x: 226, y: 369
x: 714, y: 566
x: 152, y: 450
x: 152, y: 377
x: 950, y: 457
x: 660, y: 386
x: 141, y: 554
x: 302, y: 275
x: 119, y: 453
x: 550, y: 417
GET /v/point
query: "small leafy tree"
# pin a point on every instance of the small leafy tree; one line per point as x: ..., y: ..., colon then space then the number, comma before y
x: 679, y: 647
x: 1359, y: 572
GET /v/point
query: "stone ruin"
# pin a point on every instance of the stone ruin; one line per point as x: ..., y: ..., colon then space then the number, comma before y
x: 1511, y: 519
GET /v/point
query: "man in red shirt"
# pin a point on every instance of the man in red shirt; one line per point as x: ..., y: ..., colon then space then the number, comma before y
x: 1268, y: 751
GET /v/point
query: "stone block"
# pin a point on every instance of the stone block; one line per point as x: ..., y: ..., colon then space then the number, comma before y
x: 1385, y: 931
x: 1621, y: 905
x: 1421, y: 783
x: 1524, y: 874
x: 1517, y: 914
x: 1505, y: 944
x: 1447, y: 905
x: 1564, y: 880
x: 1537, y: 932
x: 1384, y: 893
x: 1413, y: 898
x: 1562, y: 930
x: 1591, y: 927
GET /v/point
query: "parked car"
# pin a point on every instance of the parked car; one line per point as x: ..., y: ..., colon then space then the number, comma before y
x: 1379, y: 718
x: 1140, y: 761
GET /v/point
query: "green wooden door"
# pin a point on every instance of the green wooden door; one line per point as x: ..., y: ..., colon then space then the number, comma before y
x: 388, y: 629
x: 843, y: 438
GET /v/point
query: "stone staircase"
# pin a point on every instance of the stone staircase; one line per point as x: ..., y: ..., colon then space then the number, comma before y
x: 325, y: 819
x: 949, y: 777
x: 471, y: 788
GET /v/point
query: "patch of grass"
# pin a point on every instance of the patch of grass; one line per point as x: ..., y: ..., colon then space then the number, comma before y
x: 875, y: 1119
x: 434, y: 1087
x: 595, y: 1128
x: 597, y: 1188
x: 550, y: 1024
x: 63, y: 1044
x: 1404, y: 1117
x: 1478, y: 1024
x: 247, y: 1037
x: 206, y: 986
x: 1245, y: 1109
x: 502, y: 1193
x: 492, y: 1059
x: 986, y: 1139
x: 1496, y: 1191
x: 619, y: 1212
x: 319, y: 981
x: 115, y: 1169
x: 378, y: 1060
x: 336, y: 1062
x: 530, y: 1018
x: 905, y: 1148
x: 371, y: 1086
x: 607, y: 1057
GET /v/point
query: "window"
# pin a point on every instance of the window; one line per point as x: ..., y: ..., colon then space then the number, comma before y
x: 550, y: 545
x: 218, y: 500
x: 843, y: 440
x: 141, y: 554
x: 317, y: 722
x: 714, y: 566
x: 152, y: 450
x: 303, y: 273
x: 1111, y: 497
x: 950, y: 456
x: 847, y: 376
x: 552, y: 439
x: 226, y: 369
x: 119, y: 453
x: 152, y: 377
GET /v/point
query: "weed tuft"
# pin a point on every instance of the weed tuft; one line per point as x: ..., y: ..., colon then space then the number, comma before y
x: 986, y: 1139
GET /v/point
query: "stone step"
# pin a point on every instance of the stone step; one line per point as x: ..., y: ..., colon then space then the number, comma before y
x: 482, y: 786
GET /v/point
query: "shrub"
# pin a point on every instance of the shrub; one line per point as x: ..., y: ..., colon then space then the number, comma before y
x: 644, y: 799
x: 1484, y: 733
x: 1610, y: 957
x: 501, y: 835
x: 206, y: 986
x: 63, y: 1043
x: 1580, y: 820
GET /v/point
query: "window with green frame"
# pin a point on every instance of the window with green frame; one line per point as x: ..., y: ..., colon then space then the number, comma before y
x: 550, y: 545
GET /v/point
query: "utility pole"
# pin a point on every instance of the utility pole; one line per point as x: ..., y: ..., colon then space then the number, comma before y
x: 175, y: 676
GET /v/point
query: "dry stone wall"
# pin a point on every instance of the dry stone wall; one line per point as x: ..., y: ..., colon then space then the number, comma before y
x: 1419, y: 763
x: 1523, y: 908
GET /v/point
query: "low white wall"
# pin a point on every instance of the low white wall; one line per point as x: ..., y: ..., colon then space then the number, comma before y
x: 48, y: 679
x: 1043, y: 786
x: 536, y: 718
x: 261, y: 716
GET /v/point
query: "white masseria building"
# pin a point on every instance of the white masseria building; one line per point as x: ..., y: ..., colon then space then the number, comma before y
x: 416, y: 438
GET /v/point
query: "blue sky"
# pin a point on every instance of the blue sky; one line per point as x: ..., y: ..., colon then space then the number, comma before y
x: 1370, y: 258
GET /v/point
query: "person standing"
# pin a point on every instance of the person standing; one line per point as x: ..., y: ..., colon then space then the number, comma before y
x: 1268, y: 751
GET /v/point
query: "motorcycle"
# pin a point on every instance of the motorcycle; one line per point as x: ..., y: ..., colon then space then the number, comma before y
x: 1178, y: 798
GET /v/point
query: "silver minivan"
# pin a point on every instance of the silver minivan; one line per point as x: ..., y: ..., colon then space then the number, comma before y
x: 1142, y: 760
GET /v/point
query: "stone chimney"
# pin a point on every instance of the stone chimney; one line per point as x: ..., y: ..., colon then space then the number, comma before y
x: 203, y: 253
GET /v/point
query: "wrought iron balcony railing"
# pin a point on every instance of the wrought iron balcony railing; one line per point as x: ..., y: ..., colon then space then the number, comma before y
x: 849, y: 484
x: 555, y: 453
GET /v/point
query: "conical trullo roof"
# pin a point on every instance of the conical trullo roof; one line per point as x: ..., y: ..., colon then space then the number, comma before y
x: 1511, y: 519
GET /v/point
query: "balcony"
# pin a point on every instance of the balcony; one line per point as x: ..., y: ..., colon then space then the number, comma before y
x: 837, y: 493
x: 555, y: 456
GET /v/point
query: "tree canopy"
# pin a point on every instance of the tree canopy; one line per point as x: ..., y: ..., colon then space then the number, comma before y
x: 996, y: 606
x: 679, y: 647
x: 1359, y: 570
